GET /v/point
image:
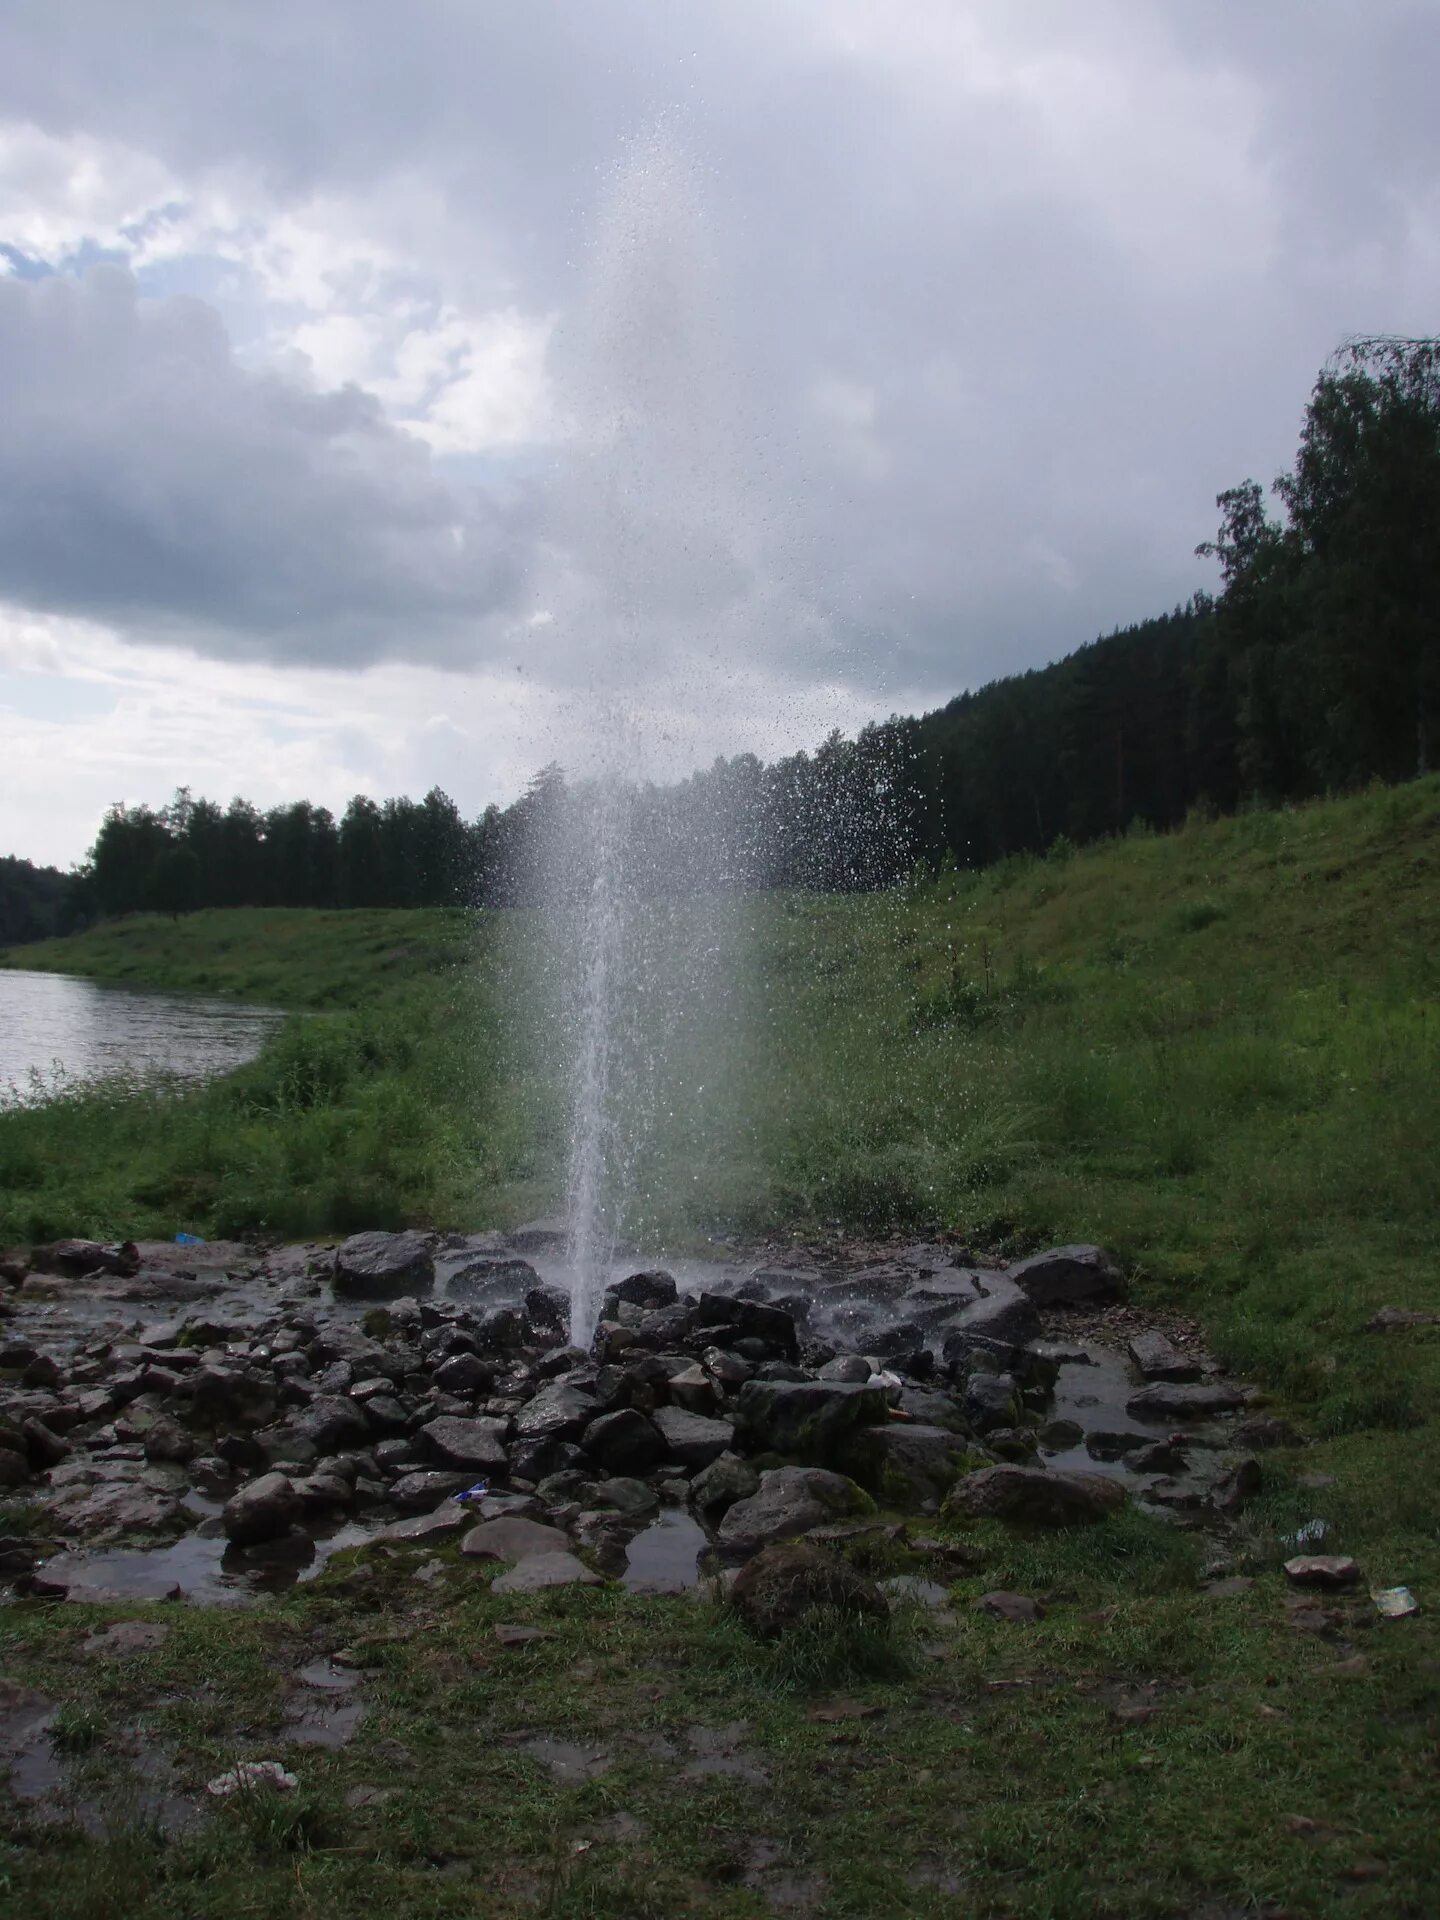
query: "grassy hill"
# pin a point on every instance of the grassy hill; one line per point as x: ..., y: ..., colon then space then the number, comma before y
x: 1216, y: 1051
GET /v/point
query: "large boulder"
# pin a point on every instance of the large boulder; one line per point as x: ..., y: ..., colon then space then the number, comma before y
x: 652, y: 1289
x: 691, y: 1438
x: 1034, y: 1496
x: 790, y: 1501
x: 74, y: 1259
x: 384, y: 1266
x: 726, y: 1480
x: 908, y: 1465
x: 782, y: 1586
x: 750, y: 1320
x: 264, y: 1510
x: 1065, y: 1274
x: 513, y: 1539
x: 809, y: 1419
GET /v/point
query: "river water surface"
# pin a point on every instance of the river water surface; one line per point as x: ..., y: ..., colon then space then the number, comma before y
x: 51, y: 1021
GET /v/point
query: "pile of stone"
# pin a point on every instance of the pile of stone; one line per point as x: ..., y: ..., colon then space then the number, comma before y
x: 722, y: 1401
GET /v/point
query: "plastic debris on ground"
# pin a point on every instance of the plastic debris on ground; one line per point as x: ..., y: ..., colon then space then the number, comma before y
x: 1310, y: 1535
x: 249, y: 1774
x: 189, y: 1240
x: 477, y: 1492
x: 1394, y: 1602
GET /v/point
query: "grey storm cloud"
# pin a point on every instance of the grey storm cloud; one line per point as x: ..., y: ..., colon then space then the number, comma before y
x: 1008, y: 295
x: 149, y: 479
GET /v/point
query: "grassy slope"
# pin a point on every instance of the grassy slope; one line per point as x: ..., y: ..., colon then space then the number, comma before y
x: 1216, y: 1051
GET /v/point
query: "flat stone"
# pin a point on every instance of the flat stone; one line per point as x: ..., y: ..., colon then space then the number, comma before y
x: 1018, y: 1608
x: 476, y: 1444
x: 790, y: 1501
x: 558, y: 1412
x: 1326, y: 1570
x: 448, y: 1519
x: 1036, y: 1496
x: 692, y: 1438
x: 1001, y: 1321
x: 128, y: 1636
x: 1175, y: 1401
x: 809, y: 1419
x: 1158, y: 1359
x: 513, y: 1540
x: 421, y: 1492
x: 541, y: 1571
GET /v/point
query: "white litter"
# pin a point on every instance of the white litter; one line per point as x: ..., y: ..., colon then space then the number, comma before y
x: 252, y: 1773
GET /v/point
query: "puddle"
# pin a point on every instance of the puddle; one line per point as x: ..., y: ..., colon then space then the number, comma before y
x: 208, y: 1571
x: 568, y: 1761
x: 664, y: 1557
x: 321, y: 1712
x: 717, y: 1750
x: 1093, y: 1392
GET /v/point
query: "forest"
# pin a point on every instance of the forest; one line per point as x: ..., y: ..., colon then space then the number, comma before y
x: 1315, y: 669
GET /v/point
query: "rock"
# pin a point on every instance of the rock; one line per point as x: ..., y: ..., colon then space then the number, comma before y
x: 624, y: 1442
x: 464, y: 1373
x: 1266, y: 1430
x: 1327, y: 1570
x: 73, y: 1259
x: 1065, y: 1274
x: 264, y: 1510
x: 934, y: 1409
x: 541, y: 1571
x: 1035, y: 1496
x: 120, y: 1508
x: 1397, y: 1319
x: 809, y: 1419
x: 547, y: 1312
x: 1241, y: 1483
x: 126, y: 1637
x: 1059, y: 1436
x: 383, y: 1266
x: 539, y: 1236
x: 14, y: 1468
x: 652, y: 1289
x: 447, y: 1519
x: 752, y: 1320
x: 419, y: 1492
x: 848, y: 1367
x: 43, y: 1448
x: 558, y: 1412
x: 694, y: 1390
x: 781, y: 1586
x: 907, y: 1465
x: 1164, y: 1401
x: 473, y: 1444
x: 1157, y: 1359
x: 999, y: 1321
x: 332, y: 1422
x: 168, y: 1440
x: 789, y: 1501
x: 726, y: 1480
x: 691, y: 1438
x: 1018, y: 1608
x: 512, y: 1540
x: 630, y: 1497
x: 992, y: 1400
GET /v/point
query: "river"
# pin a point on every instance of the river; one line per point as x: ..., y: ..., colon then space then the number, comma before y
x: 51, y: 1020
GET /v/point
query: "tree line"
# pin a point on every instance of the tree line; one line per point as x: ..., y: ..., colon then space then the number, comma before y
x: 1315, y: 667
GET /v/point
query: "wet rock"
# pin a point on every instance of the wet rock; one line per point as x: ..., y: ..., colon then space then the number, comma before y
x: 624, y: 1442
x: 1236, y: 1486
x: 168, y: 1440
x: 1058, y: 1436
x: 727, y: 1479
x: 43, y: 1371
x: 119, y: 1508
x: 934, y: 1409
x: 1167, y: 1401
x: 1158, y: 1359
x: 559, y: 1411
x: 848, y: 1367
x: 542, y: 1571
x: 1064, y: 1274
x: 999, y: 1320
x: 907, y: 1465
x: 1034, y: 1496
x: 383, y: 1266
x: 547, y: 1313
x: 264, y: 1510
x: 1012, y: 1443
x: 809, y: 1419
x: 651, y: 1289
x: 473, y: 1444
x: 464, y: 1373
x: 727, y: 1370
x: 629, y: 1497
x: 74, y: 1259
x: 781, y: 1586
x: 1325, y: 1570
x: 447, y: 1519
x: 1102, y: 1444
x: 751, y: 1319
x: 512, y: 1540
x: 691, y: 1438
x: 14, y: 1468
x: 43, y: 1447
x: 992, y: 1400
x: 790, y: 1501
x: 419, y: 1492
x: 1161, y: 1456
x: 694, y: 1391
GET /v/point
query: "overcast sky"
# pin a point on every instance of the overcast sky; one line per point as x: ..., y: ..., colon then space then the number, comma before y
x: 387, y: 391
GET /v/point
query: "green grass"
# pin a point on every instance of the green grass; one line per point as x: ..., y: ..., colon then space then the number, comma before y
x: 1214, y: 1051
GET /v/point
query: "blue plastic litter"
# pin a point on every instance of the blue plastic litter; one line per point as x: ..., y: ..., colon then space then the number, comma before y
x: 189, y: 1240
x: 477, y: 1492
